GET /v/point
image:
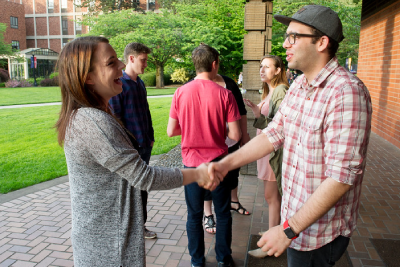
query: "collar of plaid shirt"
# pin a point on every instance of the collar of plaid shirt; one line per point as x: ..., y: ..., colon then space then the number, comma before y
x: 324, y: 131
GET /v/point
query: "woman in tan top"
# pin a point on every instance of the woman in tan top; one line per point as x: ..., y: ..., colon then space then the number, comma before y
x: 275, y: 85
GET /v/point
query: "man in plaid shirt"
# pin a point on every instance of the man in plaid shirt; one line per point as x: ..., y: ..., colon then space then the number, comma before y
x: 323, y: 124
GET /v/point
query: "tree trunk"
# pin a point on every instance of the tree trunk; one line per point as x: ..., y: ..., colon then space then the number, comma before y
x: 160, y: 76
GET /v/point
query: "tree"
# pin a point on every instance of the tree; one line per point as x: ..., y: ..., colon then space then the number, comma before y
x: 218, y: 23
x: 349, y: 12
x: 108, y: 6
x: 162, y: 33
x: 5, y: 49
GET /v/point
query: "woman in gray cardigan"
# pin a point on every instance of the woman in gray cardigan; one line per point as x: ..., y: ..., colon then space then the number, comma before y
x: 106, y: 172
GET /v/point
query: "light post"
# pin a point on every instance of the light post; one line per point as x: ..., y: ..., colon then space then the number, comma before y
x: 33, y: 66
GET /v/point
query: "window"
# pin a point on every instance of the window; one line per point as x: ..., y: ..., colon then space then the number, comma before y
x: 78, y: 4
x: 51, y: 4
x: 78, y: 26
x: 15, y: 45
x: 64, y: 41
x: 64, y: 6
x: 14, y: 22
x: 152, y: 4
x: 64, y: 26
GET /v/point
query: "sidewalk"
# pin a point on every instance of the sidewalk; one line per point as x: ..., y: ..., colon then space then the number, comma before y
x: 35, y: 227
x: 59, y: 103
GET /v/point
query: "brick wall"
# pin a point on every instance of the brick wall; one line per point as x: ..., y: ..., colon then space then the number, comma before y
x: 55, y: 44
x: 379, y: 69
x: 42, y: 43
x: 41, y: 26
x: 54, y: 28
x: 71, y: 25
x: 40, y: 7
x: 28, y: 4
x: 30, y: 27
x: 30, y: 43
x: 10, y: 9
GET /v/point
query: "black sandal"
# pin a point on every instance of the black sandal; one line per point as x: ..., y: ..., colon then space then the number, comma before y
x: 240, y: 208
x: 209, y: 223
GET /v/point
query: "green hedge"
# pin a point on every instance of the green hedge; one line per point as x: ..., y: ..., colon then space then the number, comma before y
x: 149, y: 79
x: 2, y: 84
x: 38, y: 80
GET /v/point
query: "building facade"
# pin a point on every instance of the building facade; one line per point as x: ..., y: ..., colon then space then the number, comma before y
x: 13, y: 15
x: 379, y: 64
x: 47, y: 23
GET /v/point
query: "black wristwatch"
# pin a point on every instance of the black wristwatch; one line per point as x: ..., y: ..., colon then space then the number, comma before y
x: 288, y: 231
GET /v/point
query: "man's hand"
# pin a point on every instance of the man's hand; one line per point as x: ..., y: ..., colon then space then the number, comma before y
x: 217, y: 171
x: 274, y: 241
x: 204, y: 180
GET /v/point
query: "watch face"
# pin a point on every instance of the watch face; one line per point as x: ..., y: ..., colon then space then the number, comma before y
x: 289, y: 233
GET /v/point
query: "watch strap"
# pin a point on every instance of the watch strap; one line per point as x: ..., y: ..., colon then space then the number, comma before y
x: 288, y: 231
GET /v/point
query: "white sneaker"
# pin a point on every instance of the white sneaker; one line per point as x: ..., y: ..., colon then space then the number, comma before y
x: 149, y: 234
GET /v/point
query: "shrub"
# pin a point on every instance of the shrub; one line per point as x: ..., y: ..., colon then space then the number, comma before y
x: 180, y: 75
x: 16, y: 83
x: 167, y: 78
x: 53, y: 75
x: 2, y: 84
x: 149, y: 79
x: 38, y: 80
x: 49, y: 82
x: 4, y: 75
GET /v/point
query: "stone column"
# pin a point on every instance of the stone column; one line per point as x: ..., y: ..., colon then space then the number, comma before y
x: 257, y: 43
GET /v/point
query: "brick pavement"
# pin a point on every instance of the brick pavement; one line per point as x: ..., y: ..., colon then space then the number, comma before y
x: 35, y: 228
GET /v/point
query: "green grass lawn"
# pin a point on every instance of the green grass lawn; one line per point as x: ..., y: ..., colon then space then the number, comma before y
x: 30, y: 153
x: 36, y: 95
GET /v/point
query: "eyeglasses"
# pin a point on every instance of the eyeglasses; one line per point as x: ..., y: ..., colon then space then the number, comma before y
x: 292, y: 36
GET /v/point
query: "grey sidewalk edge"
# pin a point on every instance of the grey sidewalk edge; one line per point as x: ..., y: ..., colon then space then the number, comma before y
x: 32, y: 189
x: 44, y: 185
x: 59, y: 103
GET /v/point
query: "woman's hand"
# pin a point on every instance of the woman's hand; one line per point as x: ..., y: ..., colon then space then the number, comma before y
x: 204, y: 180
x: 256, y: 109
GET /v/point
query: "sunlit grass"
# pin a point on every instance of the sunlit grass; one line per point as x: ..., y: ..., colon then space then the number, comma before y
x: 30, y: 153
x: 36, y: 95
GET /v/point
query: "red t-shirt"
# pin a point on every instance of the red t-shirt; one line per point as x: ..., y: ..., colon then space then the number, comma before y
x: 202, y: 109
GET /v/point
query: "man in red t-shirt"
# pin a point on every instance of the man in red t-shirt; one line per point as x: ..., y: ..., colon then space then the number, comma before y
x: 200, y: 112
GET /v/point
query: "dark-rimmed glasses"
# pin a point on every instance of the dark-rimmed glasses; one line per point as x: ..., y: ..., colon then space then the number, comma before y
x: 293, y: 35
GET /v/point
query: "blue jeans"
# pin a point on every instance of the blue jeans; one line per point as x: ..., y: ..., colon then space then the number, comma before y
x: 324, y: 256
x: 221, y: 196
x: 145, y: 153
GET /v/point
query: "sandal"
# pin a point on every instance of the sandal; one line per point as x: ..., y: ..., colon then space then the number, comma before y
x: 209, y: 224
x: 240, y: 208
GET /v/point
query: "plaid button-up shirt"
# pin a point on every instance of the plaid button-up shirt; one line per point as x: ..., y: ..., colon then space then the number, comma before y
x: 324, y: 128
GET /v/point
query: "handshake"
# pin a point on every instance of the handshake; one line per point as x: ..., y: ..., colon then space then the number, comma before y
x: 209, y: 175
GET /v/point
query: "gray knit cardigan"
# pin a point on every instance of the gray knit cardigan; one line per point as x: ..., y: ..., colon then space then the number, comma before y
x: 106, y: 175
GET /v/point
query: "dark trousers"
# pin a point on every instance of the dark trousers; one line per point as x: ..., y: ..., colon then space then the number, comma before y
x: 221, y: 196
x: 324, y: 256
x: 145, y: 153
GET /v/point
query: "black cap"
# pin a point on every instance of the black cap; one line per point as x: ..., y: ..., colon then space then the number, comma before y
x: 321, y: 18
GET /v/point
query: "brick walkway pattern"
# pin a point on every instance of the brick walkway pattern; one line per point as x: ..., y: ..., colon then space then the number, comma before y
x: 35, y: 229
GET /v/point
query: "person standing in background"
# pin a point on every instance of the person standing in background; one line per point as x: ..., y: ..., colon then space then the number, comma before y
x: 132, y: 108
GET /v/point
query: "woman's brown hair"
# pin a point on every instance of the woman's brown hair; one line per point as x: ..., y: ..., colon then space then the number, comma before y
x: 74, y: 64
x: 278, y: 79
